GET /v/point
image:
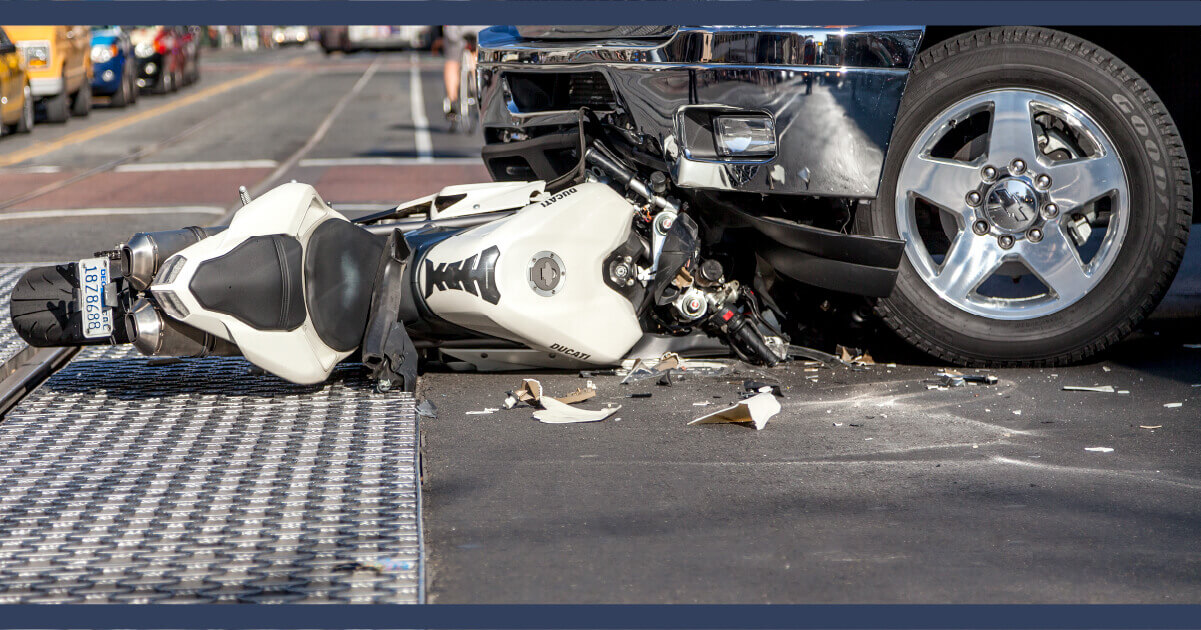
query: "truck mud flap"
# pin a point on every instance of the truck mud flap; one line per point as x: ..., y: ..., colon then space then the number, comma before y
x: 860, y: 265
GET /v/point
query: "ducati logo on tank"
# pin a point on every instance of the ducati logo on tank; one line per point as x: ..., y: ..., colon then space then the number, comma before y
x: 475, y: 275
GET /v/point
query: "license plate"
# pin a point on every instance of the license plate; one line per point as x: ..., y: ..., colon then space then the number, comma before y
x: 93, y: 278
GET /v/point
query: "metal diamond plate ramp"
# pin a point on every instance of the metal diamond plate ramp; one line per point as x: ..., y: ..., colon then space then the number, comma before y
x: 10, y: 343
x: 200, y: 481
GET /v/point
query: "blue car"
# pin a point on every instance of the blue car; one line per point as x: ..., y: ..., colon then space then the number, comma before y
x: 114, y: 66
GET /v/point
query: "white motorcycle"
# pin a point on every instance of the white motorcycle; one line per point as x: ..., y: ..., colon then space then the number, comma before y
x: 582, y: 272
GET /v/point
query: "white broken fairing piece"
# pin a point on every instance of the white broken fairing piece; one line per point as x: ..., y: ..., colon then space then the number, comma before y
x: 1104, y: 389
x: 756, y: 410
x: 556, y: 412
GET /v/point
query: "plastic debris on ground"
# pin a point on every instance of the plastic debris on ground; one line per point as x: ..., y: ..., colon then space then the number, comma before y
x: 426, y: 409
x: 1173, y: 405
x: 483, y: 412
x: 1099, y: 449
x: 756, y: 410
x: 954, y: 378
x: 1150, y: 426
x: 555, y: 412
x: 854, y: 356
x: 1105, y: 389
x: 762, y: 388
x: 670, y: 368
x: 558, y: 410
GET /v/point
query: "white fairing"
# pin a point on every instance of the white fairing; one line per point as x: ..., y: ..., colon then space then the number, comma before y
x: 584, y: 318
x: 297, y: 355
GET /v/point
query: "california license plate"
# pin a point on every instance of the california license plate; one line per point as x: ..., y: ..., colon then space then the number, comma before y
x: 97, y: 317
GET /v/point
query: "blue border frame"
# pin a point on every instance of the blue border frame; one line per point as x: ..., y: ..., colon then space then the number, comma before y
x: 568, y: 617
x: 316, y: 12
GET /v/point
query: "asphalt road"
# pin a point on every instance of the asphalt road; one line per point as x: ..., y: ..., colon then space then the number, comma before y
x: 867, y: 487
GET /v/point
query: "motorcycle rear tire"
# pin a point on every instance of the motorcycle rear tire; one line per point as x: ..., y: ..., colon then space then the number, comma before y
x: 41, y: 308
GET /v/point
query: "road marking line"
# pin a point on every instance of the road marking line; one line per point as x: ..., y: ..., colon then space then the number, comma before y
x: 84, y: 135
x: 31, y: 170
x: 90, y: 212
x: 391, y: 161
x: 319, y: 134
x: 421, y: 124
x: 155, y: 167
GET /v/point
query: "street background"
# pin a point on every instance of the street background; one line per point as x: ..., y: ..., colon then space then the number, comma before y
x: 868, y: 487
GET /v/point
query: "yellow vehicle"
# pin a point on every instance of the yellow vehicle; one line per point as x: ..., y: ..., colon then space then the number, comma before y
x: 16, y: 96
x: 60, y: 68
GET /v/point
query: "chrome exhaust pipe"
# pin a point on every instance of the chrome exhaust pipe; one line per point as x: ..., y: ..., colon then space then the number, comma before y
x: 146, y: 251
x: 158, y: 336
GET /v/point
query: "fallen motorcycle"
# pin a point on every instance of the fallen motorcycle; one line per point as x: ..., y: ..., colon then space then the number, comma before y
x: 588, y: 270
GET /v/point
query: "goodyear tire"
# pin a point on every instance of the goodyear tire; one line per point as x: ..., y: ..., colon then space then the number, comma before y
x: 1101, y: 236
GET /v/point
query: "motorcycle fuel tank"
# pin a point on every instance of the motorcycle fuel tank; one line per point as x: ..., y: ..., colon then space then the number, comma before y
x: 536, y: 276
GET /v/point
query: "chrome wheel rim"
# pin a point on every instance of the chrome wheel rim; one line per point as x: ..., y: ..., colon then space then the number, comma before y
x: 1016, y: 209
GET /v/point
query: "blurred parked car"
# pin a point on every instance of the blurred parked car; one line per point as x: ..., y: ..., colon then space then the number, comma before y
x: 162, y: 57
x: 60, y: 71
x: 291, y: 35
x: 354, y: 38
x: 16, y: 97
x: 114, y: 69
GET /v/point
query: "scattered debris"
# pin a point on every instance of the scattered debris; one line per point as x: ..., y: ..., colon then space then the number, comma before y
x: 530, y: 392
x: 1017, y: 412
x: 1106, y: 368
x: 666, y: 380
x: 579, y: 395
x: 1173, y: 405
x: 555, y: 412
x: 1105, y: 389
x: 757, y: 410
x: 426, y: 409
x: 1123, y: 391
x: 1150, y: 426
x: 671, y: 366
x: 954, y: 378
x: 639, y: 395
x: 1099, y: 449
x: 705, y: 403
x: 854, y: 356
x: 1193, y: 346
x: 838, y: 424
x: 484, y: 411
x: 763, y: 388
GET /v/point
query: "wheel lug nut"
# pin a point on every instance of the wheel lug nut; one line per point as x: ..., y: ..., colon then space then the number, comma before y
x: 980, y: 227
x: 1034, y: 235
x: 988, y: 173
x: 1006, y: 241
x: 1017, y: 167
x: 973, y: 198
x: 1043, y: 181
x: 1050, y: 211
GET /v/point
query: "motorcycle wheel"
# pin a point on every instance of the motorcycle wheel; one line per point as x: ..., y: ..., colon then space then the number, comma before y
x: 41, y: 307
x: 1044, y: 195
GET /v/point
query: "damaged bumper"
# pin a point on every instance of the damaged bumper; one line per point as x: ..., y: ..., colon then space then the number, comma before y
x: 829, y: 95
